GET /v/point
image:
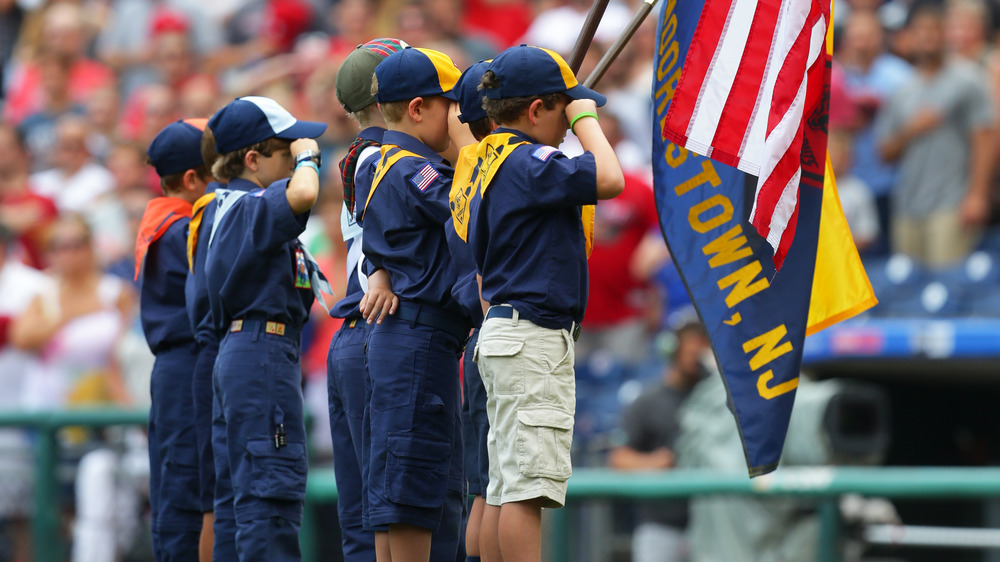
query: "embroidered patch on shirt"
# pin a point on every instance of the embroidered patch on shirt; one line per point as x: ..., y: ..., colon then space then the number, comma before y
x: 425, y: 177
x: 301, y: 271
x: 543, y: 152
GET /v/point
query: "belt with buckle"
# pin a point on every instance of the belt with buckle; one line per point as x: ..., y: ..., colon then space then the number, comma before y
x: 272, y: 327
x: 507, y: 311
x: 433, y: 317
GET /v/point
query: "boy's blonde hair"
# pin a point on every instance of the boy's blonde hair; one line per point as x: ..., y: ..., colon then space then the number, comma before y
x: 393, y: 111
x: 365, y: 116
x: 208, y: 153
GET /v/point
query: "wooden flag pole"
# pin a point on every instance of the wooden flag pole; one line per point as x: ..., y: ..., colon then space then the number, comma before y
x: 587, y: 34
x: 619, y: 44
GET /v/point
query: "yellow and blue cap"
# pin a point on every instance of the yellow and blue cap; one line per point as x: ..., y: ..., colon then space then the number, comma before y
x: 534, y: 71
x: 413, y: 72
x: 177, y: 148
x: 470, y: 98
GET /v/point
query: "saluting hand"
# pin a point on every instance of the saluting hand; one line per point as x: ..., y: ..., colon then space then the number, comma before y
x: 299, y: 146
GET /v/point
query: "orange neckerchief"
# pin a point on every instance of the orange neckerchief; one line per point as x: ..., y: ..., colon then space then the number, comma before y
x: 160, y: 213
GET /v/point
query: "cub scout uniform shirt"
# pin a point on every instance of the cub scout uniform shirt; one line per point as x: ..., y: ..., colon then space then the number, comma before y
x: 528, y: 227
x: 256, y: 268
x: 404, y: 219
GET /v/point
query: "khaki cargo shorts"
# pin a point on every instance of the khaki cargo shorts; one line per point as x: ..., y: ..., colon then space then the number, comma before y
x: 531, y: 400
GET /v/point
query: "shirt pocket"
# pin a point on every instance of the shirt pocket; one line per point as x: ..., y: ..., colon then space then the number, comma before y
x: 544, y: 440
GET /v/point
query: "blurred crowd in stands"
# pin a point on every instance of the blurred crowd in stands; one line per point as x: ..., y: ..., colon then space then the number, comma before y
x: 86, y: 84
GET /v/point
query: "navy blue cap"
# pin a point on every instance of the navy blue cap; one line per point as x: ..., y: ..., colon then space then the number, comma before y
x: 252, y: 119
x: 470, y: 98
x: 412, y: 73
x: 535, y: 71
x: 177, y: 148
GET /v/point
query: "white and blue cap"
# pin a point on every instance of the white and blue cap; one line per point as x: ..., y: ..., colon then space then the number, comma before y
x: 252, y: 119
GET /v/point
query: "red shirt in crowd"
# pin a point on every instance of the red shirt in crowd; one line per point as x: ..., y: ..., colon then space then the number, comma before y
x: 25, y: 95
x: 620, y: 225
x: 505, y: 20
x: 42, y: 211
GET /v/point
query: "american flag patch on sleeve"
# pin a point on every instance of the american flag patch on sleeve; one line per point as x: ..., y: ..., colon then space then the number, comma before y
x: 543, y: 152
x: 425, y: 177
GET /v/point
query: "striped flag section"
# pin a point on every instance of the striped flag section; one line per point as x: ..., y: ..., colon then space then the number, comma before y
x: 754, y: 74
x: 425, y: 177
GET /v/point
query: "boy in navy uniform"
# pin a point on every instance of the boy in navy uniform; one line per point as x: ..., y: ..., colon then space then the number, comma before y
x: 474, y: 126
x: 219, y: 531
x: 161, y: 244
x: 260, y: 283
x: 415, y: 480
x: 531, y: 230
x: 346, y: 360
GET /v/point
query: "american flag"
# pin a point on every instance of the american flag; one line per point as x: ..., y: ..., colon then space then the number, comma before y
x: 425, y: 177
x: 754, y: 75
x: 543, y: 152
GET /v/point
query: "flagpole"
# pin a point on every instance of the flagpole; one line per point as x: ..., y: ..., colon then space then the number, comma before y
x: 619, y: 44
x: 587, y: 34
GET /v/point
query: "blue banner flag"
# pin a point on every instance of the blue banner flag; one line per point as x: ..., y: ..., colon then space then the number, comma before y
x: 757, y: 320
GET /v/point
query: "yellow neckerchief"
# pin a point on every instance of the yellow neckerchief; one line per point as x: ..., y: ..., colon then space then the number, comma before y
x: 462, y: 189
x: 490, y: 155
x: 387, y: 161
x: 198, y: 212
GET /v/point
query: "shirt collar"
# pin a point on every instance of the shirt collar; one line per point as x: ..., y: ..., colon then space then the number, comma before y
x: 407, y: 142
x: 241, y: 184
x: 516, y: 133
x: 372, y: 134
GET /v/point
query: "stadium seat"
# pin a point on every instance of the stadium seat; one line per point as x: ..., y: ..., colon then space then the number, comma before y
x: 985, y: 305
x: 896, y: 279
x: 991, y: 240
x: 977, y: 274
x: 934, y: 299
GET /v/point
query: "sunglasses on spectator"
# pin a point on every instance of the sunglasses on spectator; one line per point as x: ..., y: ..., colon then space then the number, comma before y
x: 69, y: 244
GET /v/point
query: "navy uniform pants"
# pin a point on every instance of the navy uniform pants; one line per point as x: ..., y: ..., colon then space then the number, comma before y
x: 346, y: 393
x: 173, y: 456
x: 258, y: 381
x: 415, y: 474
x: 203, y: 396
x: 224, y: 527
x: 475, y: 422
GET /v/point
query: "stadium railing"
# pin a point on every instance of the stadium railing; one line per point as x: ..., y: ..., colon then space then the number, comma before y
x: 824, y: 484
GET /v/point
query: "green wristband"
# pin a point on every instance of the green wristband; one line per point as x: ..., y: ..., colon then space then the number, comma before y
x: 581, y: 116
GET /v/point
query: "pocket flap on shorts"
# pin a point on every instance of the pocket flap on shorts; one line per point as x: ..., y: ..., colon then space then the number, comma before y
x: 410, y: 447
x: 265, y: 448
x: 546, y: 417
x: 500, y: 347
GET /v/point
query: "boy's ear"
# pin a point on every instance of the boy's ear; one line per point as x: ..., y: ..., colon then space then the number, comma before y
x: 415, y: 109
x: 192, y: 181
x: 189, y: 179
x: 250, y: 160
x: 533, y: 110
